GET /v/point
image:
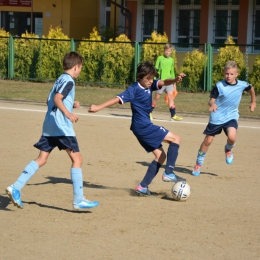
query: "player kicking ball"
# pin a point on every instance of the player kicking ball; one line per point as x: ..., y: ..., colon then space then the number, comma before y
x: 150, y: 136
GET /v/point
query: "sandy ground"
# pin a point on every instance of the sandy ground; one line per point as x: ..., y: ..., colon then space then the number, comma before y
x: 219, y: 221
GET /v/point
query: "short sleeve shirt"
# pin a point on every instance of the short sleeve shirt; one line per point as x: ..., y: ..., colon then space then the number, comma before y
x: 228, y: 98
x: 56, y: 123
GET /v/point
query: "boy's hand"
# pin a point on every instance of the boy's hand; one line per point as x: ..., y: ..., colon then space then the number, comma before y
x: 73, y: 118
x: 180, y: 76
x: 76, y: 104
x: 93, y: 109
x: 213, y: 108
x: 252, y: 106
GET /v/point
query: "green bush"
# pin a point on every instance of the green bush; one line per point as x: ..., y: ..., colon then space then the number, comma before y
x: 53, y: 49
x: 26, y: 52
x: 193, y: 67
x: 4, y: 39
x: 154, y: 47
x: 119, y: 59
x: 92, y: 50
x: 254, y: 76
x: 230, y: 52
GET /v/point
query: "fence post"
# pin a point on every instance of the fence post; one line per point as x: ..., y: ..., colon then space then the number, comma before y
x: 136, y: 58
x: 205, y: 66
x: 209, y: 71
x: 11, y: 57
x: 72, y: 44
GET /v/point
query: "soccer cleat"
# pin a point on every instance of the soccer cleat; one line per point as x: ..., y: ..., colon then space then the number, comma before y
x: 229, y: 156
x: 151, y: 116
x: 15, y: 196
x: 176, y: 118
x: 142, y: 191
x: 196, y: 170
x: 169, y: 177
x: 85, y: 204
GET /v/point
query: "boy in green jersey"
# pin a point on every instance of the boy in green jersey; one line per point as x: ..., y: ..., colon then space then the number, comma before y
x: 165, y: 66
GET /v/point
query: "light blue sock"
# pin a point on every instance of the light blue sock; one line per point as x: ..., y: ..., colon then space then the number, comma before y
x: 26, y: 175
x: 229, y: 147
x: 200, y: 158
x: 77, y: 182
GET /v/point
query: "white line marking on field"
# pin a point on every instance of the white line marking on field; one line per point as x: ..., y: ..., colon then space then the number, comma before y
x: 123, y: 117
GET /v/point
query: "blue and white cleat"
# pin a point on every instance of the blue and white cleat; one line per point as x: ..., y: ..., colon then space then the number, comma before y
x: 196, y: 170
x: 15, y: 196
x: 85, y: 204
x: 142, y: 191
x: 169, y: 177
x: 229, y: 156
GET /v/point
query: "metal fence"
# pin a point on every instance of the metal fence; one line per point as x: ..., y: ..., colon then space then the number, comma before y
x: 106, y: 63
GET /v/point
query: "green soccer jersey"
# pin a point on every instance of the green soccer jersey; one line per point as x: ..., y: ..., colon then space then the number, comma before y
x: 165, y: 67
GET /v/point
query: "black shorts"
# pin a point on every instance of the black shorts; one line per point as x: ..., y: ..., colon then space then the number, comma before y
x: 213, y: 130
x: 48, y: 143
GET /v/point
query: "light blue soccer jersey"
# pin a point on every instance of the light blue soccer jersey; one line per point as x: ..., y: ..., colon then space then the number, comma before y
x: 56, y: 123
x: 228, y: 98
x: 141, y: 100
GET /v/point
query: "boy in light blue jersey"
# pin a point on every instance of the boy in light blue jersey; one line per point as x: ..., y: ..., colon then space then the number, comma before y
x: 58, y: 132
x: 150, y: 136
x: 224, y: 101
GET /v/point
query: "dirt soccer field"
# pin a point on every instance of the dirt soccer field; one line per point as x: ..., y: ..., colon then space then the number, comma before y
x: 219, y: 221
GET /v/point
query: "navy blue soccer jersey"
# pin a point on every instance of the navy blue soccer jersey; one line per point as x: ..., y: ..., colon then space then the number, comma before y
x: 149, y: 135
x: 56, y: 123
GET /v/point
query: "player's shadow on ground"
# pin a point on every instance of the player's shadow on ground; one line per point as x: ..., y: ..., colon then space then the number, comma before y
x: 4, y: 202
x: 54, y: 207
x: 180, y: 169
x: 55, y: 180
x: 121, y: 115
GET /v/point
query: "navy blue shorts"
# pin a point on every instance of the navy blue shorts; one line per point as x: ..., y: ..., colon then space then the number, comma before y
x: 152, y: 140
x: 48, y: 143
x: 213, y: 130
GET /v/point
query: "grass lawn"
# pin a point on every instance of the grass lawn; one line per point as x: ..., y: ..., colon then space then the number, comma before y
x: 185, y: 102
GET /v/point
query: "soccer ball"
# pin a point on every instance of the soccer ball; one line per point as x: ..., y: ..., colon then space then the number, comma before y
x: 181, y: 191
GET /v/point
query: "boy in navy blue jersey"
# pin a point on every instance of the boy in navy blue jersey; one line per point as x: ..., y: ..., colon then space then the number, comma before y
x: 150, y: 136
x: 58, y: 132
x: 224, y: 102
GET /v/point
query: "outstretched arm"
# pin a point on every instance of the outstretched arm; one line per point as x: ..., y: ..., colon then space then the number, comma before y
x: 252, y: 104
x: 96, y: 108
x: 168, y: 82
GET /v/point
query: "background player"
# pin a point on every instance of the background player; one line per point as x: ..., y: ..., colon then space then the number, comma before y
x: 165, y: 66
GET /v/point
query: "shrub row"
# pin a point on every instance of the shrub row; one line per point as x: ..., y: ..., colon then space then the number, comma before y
x: 112, y: 62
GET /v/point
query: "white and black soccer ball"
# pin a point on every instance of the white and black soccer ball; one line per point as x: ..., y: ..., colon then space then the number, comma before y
x: 181, y: 191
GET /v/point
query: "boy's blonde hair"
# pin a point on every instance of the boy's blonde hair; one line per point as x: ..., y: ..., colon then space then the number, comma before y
x: 167, y: 46
x: 231, y: 65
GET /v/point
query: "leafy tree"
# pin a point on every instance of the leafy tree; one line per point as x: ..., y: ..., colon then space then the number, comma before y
x: 26, y: 50
x: 254, y: 77
x: 229, y: 52
x: 193, y: 67
x: 4, y: 39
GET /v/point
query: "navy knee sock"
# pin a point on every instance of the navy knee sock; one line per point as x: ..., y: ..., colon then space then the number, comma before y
x: 151, y: 173
x: 172, y: 155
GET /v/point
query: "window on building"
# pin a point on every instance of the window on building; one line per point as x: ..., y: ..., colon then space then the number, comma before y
x: 225, y: 20
x: 17, y: 23
x: 152, y: 18
x: 108, y: 12
x: 256, y: 24
x: 188, y: 21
